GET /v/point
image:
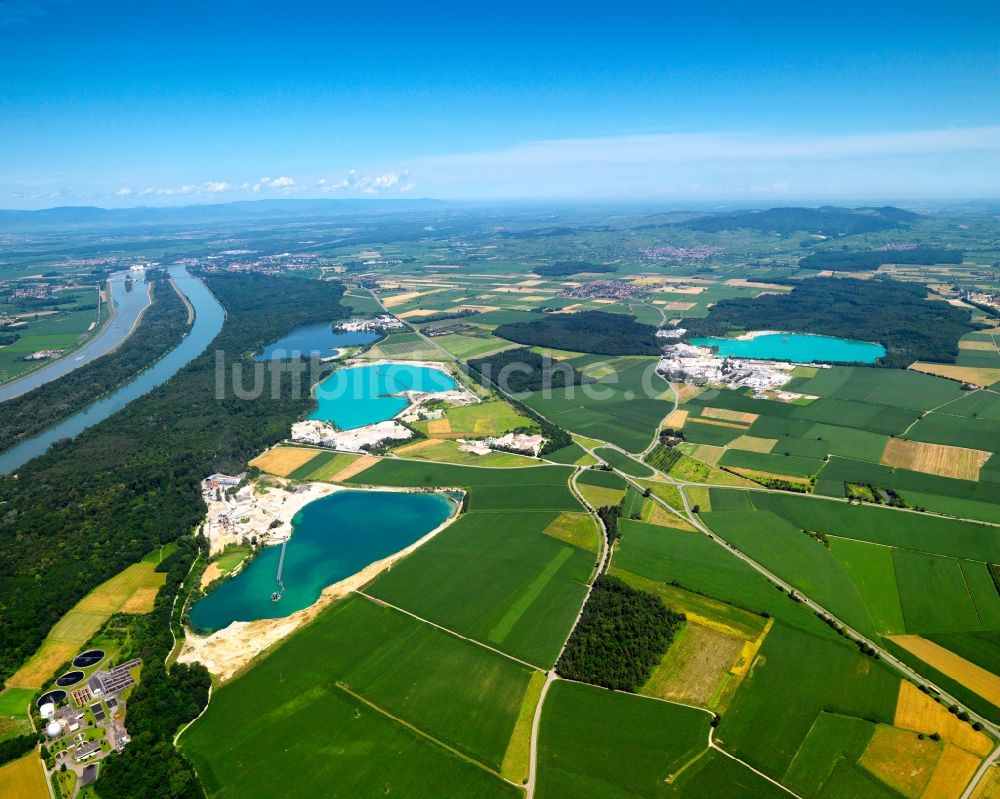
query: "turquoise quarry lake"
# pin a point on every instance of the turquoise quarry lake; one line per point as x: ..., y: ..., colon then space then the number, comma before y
x: 796, y: 347
x: 333, y: 538
x: 367, y: 394
x: 320, y: 340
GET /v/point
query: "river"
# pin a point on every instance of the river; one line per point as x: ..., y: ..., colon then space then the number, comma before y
x: 208, y: 319
x: 128, y: 305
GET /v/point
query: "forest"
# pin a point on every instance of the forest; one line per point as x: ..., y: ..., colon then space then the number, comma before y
x: 622, y: 634
x: 79, y: 514
x: 870, y: 260
x: 827, y: 220
x: 159, y: 331
x: 521, y: 371
x: 896, y: 315
x: 595, y: 332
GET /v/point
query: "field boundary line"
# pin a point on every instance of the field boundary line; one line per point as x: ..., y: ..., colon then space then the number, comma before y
x: 376, y: 600
x: 743, y: 763
x: 422, y: 733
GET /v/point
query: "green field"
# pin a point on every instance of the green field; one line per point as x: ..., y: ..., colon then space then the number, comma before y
x: 625, y: 406
x: 497, y: 577
x: 620, y: 460
x: 945, y: 594
x: 539, y: 488
x: 323, y: 466
x: 802, y: 675
x: 799, y: 559
x: 832, y: 739
x: 596, y: 743
x: 873, y: 573
x: 698, y: 564
x: 371, y: 679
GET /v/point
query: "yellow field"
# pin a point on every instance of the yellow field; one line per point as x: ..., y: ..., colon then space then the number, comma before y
x: 706, y: 664
x: 752, y: 473
x: 400, y: 299
x: 417, y: 312
x: 953, y: 772
x: 698, y: 495
x: 981, y: 376
x: 675, y: 305
x: 900, y: 759
x: 438, y: 426
x: 939, y: 459
x: 917, y: 711
x: 23, y: 779
x: 720, y: 423
x: 130, y: 591
x: 730, y: 416
x: 578, y: 529
x: 973, y: 677
x: 676, y: 419
x: 686, y: 391
x: 989, y: 785
x: 753, y: 443
x: 708, y: 453
x: 988, y: 346
x: 141, y: 601
x: 654, y: 513
x: 696, y: 667
x: 282, y: 461
x: 516, y: 761
x: 39, y: 667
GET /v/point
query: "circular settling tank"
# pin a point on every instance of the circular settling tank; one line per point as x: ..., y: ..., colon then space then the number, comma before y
x: 69, y: 678
x: 53, y: 697
x: 88, y: 658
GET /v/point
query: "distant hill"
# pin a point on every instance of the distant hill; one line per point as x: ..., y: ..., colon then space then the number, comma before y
x: 82, y: 215
x: 827, y: 220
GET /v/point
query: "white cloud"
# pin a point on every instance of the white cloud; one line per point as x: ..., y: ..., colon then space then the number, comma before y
x: 123, y: 192
x: 922, y: 163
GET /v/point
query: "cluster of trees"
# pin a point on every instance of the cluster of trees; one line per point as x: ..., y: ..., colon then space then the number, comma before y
x: 827, y: 220
x: 566, y: 268
x: 159, y: 331
x: 79, y: 514
x: 622, y: 634
x: 18, y: 746
x: 895, y: 314
x: 161, y: 703
x: 520, y: 371
x: 870, y: 260
x: 587, y: 331
x: 610, y: 514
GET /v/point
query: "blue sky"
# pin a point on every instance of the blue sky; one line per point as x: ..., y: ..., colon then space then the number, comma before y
x: 122, y: 103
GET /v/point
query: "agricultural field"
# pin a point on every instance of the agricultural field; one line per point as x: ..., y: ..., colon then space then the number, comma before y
x: 133, y: 590
x: 283, y: 460
x: 447, y: 451
x: 23, y: 779
x: 596, y: 743
x: 351, y: 673
x: 624, y: 406
x: 63, y: 323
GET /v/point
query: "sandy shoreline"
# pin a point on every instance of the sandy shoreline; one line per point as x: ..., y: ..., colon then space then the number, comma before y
x: 226, y: 651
